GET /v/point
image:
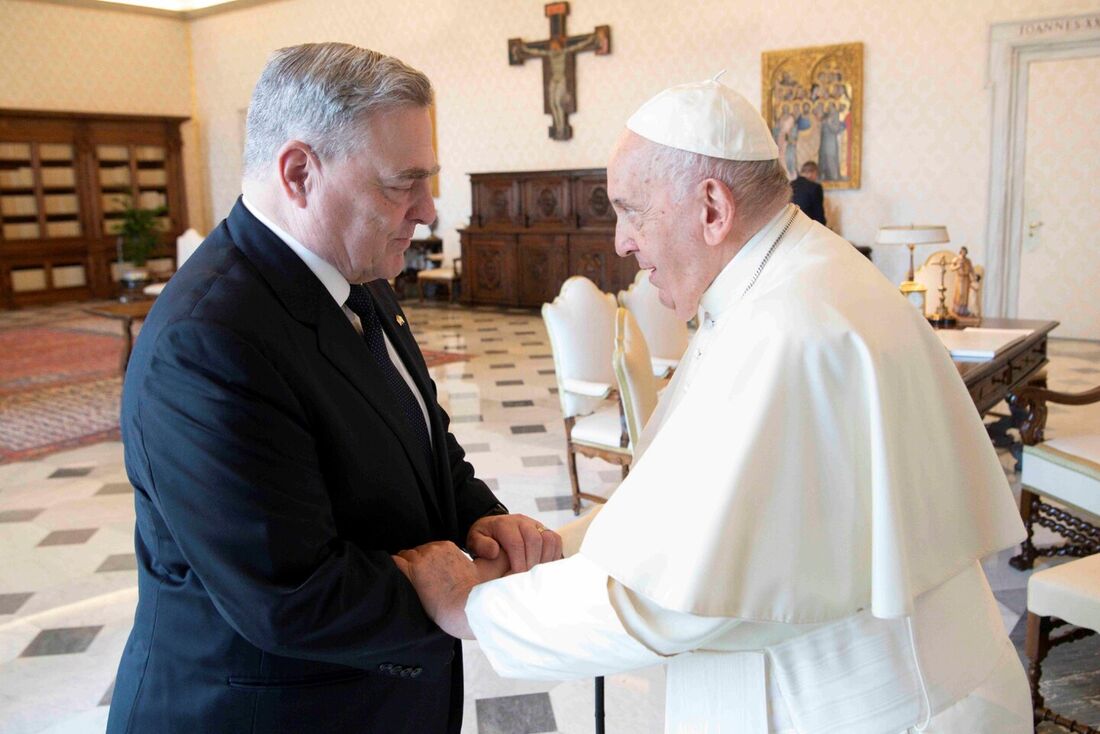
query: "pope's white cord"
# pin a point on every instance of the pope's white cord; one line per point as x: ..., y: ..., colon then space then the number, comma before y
x: 920, y: 678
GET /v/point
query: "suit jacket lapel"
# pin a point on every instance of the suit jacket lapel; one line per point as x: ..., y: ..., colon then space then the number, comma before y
x: 307, y: 301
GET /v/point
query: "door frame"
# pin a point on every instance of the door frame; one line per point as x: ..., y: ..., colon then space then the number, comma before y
x: 1012, y: 48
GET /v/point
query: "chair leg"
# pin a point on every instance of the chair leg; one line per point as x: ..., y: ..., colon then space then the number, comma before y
x: 571, y: 460
x: 421, y: 284
x: 1036, y: 645
x: 1025, y: 559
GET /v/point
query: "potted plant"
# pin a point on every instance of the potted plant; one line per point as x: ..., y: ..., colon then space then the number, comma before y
x: 138, y: 234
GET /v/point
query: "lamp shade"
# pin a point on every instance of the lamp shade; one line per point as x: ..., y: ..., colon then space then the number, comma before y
x: 913, y: 234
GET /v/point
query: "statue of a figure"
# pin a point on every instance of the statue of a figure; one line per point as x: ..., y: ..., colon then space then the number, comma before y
x: 966, y: 280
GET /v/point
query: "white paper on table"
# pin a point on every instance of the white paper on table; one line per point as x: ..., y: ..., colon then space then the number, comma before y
x: 975, y: 343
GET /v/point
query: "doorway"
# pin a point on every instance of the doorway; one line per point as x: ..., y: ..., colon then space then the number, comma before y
x: 1044, y: 208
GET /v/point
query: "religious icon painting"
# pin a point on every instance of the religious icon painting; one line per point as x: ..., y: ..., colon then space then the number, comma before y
x: 813, y: 103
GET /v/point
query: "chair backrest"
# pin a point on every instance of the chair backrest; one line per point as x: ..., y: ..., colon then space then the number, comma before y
x: 186, y: 244
x: 581, y: 325
x: 634, y: 374
x: 929, y: 276
x: 666, y: 335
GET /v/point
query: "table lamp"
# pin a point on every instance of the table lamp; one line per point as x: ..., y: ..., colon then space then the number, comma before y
x: 911, y: 236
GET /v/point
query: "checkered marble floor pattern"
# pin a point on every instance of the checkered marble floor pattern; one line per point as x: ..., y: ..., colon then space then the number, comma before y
x: 68, y: 580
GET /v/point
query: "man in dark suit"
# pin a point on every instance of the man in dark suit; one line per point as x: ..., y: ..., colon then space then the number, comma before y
x: 284, y: 440
x: 807, y: 193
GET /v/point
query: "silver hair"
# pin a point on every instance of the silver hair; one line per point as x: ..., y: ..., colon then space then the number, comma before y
x: 320, y: 93
x: 759, y: 187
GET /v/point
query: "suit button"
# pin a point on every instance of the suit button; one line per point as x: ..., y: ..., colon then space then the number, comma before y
x: 416, y: 672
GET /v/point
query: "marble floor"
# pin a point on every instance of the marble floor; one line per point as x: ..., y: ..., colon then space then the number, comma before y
x: 68, y: 580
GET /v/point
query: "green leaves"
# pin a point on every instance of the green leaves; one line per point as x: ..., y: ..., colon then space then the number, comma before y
x: 138, y: 230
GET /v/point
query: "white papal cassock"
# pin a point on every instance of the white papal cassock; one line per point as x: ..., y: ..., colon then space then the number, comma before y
x: 800, y: 538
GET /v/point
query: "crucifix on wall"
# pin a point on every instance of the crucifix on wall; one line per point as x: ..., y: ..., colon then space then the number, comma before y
x: 559, y: 65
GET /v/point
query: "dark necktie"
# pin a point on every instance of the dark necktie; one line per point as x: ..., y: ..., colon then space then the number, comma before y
x: 361, y: 303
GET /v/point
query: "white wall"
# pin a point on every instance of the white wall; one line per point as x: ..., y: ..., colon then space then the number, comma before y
x: 926, y: 105
x: 92, y: 60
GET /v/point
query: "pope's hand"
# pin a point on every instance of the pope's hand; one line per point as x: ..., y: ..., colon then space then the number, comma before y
x: 525, y: 542
x: 443, y: 576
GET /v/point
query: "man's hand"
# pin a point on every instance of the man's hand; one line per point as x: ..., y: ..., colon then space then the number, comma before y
x: 443, y: 576
x: 525, y: 542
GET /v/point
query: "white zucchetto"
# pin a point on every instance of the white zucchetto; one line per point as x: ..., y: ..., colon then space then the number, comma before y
x: 707, y: 118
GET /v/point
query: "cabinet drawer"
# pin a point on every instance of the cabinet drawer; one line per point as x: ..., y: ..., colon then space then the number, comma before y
x: 489, y: 271
x: 543, y: 264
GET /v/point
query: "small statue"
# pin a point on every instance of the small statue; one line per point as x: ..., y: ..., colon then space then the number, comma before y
x: 966, y: 279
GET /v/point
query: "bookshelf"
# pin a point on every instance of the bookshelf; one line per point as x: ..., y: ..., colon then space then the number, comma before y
x: 64, y: 178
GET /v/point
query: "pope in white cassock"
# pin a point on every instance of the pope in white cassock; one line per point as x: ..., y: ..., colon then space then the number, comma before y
x: 799, y: 538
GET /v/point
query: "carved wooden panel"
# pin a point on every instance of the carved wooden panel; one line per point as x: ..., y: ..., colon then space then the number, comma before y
x: 592, y: 203
x: 592, y: 257
x: 490, y: 266
x: 530, y: 230
x: 543, y: 265
x: 548, y: 202
x: 497, y: 203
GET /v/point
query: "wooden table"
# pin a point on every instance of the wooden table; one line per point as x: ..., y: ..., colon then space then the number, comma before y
x: 127, y: 313
x: 993, y: 380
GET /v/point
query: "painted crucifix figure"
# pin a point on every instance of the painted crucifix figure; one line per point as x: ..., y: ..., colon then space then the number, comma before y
x: 559, y: 75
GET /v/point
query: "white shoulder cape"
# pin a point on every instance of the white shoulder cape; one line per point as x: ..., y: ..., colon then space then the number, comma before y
x: 826, y: 457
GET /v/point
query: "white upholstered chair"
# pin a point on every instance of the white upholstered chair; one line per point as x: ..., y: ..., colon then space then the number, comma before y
x: 1060, y: 478
x: 448, y: 274
x: 581, y: 326
x: 186, y: 244
x: 666, y: 336
x: 1063, y: 596
x: 929, y: 276
x: 633, y: 375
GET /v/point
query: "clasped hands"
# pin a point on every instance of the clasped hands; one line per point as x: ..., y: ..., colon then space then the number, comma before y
x: 443, y: 575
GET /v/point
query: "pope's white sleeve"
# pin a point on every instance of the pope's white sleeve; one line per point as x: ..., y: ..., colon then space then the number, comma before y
x: 567, y: 620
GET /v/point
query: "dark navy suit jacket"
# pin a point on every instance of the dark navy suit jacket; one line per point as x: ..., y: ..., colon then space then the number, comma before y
x: 274, y: 475
x: 810, y: 198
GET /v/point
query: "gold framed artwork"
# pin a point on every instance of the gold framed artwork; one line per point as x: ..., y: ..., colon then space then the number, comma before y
x: 813, y: 103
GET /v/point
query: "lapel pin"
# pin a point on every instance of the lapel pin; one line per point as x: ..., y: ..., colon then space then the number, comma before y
x: 400, y: 320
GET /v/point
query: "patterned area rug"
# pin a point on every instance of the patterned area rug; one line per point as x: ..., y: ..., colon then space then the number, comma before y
x: 60, y: 388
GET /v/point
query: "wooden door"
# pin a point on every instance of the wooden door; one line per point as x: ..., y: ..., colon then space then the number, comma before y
x: 591, y: 202
x: 489, y: 272
x: 548, y: 202
x: 593, y: 257
x: 543, y: 265
x: 497, y: 203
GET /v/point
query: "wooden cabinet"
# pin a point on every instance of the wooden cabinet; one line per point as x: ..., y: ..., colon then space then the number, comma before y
x: 496, y: 204
x: 543, y: 267
x: 64, y: 179
x: 531, y: 230
x: 547, y: 202
x: 489, y: 272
